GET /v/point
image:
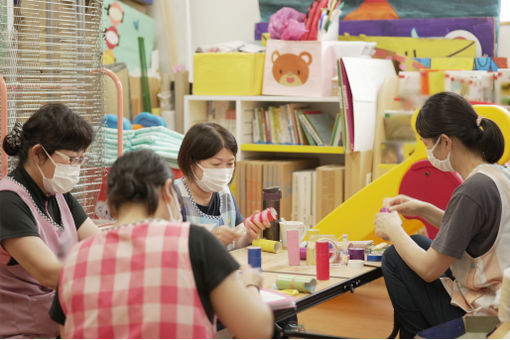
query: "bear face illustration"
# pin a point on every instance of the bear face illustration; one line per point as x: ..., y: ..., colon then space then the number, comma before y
x: 290, y: 69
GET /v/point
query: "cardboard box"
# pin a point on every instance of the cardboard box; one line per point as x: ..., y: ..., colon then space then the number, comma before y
x: 280, y: 173
x: 228, y: 73
x: 358, y: 171
x: 306, y: 68
x: 330, y: 189
x: 135, y: 85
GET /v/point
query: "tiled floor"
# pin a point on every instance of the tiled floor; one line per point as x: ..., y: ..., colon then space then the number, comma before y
x: 367, y: 313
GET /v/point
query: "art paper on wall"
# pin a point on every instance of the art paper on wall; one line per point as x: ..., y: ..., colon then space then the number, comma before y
x: 420, y: 47
x: 388, y: 9
x: 481, y: 30
x: 122, y: 26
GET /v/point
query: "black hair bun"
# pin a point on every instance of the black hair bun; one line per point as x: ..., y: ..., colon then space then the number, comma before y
x: 13, y: 140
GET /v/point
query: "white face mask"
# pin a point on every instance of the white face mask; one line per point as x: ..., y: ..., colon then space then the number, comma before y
x: 65, y: 177
x: 443, y: 165
x: 174, y: 211
x: 214, y: 180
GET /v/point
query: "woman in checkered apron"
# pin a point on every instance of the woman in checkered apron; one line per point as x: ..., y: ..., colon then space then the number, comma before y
x: 152, y: 275
x: 207, y: 158
x: 460, y: 271
x: 40, y: 220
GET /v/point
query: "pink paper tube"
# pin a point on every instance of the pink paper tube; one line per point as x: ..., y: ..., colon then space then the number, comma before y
x: 293, y: 247
x: 357, y: 254
x: 322, y: 259
x: 268, y: 214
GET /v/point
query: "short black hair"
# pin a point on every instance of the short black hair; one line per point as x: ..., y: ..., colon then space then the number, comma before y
x: 203, y: 141
x: 137, y: 177
x: 56, y: 127
x: 451, y: 114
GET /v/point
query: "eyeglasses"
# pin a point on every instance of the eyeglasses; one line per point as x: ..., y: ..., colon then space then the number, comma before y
x: 73, y: 160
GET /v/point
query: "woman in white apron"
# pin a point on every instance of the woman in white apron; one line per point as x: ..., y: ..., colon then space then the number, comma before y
x: 460, y: 271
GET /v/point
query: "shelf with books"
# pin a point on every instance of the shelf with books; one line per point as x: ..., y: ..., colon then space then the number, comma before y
x: 293, y: 148
x: 242, y: 116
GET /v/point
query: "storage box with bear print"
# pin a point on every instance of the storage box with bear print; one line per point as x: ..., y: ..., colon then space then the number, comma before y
x: 306, y: 68
x: 231, y: 74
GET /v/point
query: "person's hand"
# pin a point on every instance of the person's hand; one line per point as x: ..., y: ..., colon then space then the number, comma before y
x: 386, y: 223
x: 255, y: 227
x: 225, y: 234
x: 250, y: 276
x: 404, y: 205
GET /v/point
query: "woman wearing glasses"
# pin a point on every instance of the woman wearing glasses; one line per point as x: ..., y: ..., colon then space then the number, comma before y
x: 39, y: 219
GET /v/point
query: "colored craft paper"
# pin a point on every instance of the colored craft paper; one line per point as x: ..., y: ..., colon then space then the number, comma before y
x: 123, y: 25
x: 452, y: 64
x: 267, y: 245
x: 436, y: 82
x: 420, y: 47
x: 301, y: 283
x: 424, y: 61
x: 482, y: 28
x: 502, y: 62
x: 485, y: 64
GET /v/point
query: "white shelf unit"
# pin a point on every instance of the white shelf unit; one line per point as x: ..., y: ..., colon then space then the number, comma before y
x: 195, y: 111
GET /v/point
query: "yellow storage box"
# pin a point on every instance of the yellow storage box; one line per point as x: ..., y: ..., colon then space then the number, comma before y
x: 228, y: 73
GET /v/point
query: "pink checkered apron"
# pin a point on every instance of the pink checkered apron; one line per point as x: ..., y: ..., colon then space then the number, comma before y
x: 24, y: 302
x: 133, y: 281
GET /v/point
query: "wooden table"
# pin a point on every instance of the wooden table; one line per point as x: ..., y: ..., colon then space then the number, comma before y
x: 342, y: 278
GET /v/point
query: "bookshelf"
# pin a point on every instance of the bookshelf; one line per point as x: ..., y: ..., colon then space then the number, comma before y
x: 334, y: 150
x: 196, y: 110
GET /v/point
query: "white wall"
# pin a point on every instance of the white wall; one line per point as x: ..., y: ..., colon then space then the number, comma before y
x: 210, y: 21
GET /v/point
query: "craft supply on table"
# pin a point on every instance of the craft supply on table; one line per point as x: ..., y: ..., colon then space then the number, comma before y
x: 374, y: 258
x: 269, y: 246
x: 271, y: 197
x: 322, y: 259
x: 290, y: 225
x: 310, y: 246
x: 302, y: 253
x: 291, y: 292
x: 293, y: 247
x: 356, y: 263
x: 269, y: 215
x: 304, y: 284
x: 356, y: 254
x: 255, y: 257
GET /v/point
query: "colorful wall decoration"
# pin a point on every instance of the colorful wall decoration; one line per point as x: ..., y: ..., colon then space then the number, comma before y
x: 122, y: 25
x: 482, y: 28
x: 404, y: 9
